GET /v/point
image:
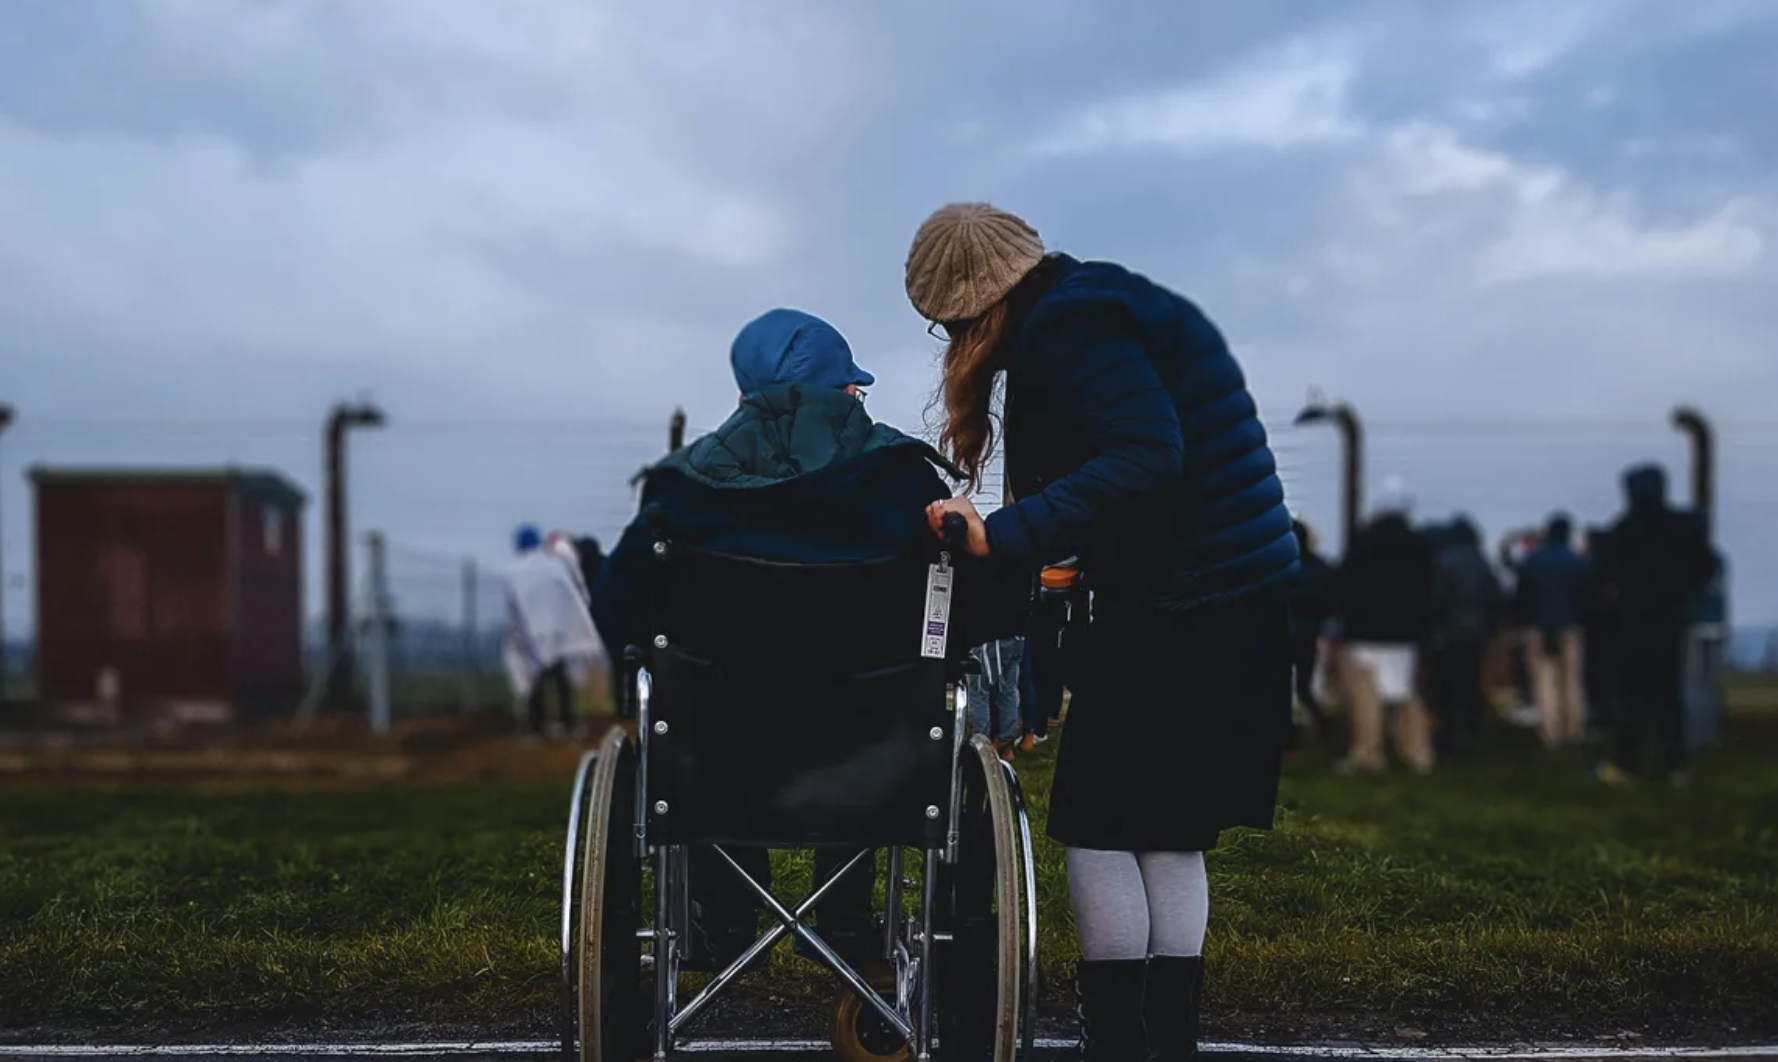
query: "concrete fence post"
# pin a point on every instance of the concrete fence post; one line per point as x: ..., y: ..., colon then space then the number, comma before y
x: 377, y: 644
x: 472, y: 663
x: 7, y: 414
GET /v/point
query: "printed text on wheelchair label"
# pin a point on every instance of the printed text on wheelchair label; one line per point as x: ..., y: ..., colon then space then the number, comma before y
x: 938, y: 611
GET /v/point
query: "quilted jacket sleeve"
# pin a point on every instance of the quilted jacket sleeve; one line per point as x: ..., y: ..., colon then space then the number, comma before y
x: 1131, y: 429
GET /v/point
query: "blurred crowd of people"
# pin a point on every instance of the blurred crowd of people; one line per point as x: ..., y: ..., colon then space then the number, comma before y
x: 1417, y: 633
x: 1417, y: 629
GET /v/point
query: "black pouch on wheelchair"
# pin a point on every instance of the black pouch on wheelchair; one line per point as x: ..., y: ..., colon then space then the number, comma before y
x: 830, y: 759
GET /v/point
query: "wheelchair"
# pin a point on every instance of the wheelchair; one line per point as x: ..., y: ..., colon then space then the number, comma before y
x: 800, y: 706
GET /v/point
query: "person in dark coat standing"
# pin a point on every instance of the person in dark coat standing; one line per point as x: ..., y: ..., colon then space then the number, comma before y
x: 1468, y: 604
x: 1383, y: 600
x: 1602, y: 667
x: 592, y: 558
x: 1659, y: 559
x: 1133, y: 444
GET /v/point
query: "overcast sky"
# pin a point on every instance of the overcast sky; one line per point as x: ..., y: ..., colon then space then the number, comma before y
x: 1513, y: 234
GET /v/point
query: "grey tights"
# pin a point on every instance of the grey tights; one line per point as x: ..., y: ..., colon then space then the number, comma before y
x: 1130, y: 905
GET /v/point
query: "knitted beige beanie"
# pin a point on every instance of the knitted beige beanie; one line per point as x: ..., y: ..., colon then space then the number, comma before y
x: 966, y: 257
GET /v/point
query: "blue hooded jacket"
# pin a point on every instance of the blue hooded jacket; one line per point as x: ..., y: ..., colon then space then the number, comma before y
x: 1133, y: 442
x: 789, y: 346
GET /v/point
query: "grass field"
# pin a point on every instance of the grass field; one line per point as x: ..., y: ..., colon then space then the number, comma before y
x: 1512, y: 892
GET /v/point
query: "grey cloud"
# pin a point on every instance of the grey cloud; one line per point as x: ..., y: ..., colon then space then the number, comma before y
x: 531, y: 231
x: 258, y: 75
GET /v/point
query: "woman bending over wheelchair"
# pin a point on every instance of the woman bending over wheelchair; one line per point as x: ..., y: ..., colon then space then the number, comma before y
x: 1133, y: 443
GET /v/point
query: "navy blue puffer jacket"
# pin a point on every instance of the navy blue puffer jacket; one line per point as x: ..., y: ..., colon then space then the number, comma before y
x: 1133, y: 443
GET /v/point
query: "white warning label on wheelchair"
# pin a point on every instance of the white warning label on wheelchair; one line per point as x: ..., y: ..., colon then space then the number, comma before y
x: 938, y: 611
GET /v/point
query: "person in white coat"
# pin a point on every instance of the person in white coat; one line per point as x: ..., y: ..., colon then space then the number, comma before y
x: 561, y: 545
x: 550, y: 633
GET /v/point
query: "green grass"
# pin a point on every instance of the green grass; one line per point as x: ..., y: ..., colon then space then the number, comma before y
x: 1509, y: 889
x: 443, y: 693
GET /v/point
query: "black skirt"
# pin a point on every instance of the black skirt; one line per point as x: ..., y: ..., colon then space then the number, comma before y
x: 1177, y: 726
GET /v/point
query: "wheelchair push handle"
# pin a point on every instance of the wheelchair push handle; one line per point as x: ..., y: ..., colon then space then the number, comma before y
x: 955, y: 531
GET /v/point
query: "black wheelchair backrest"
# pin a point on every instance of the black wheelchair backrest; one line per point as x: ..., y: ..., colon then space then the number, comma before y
x: 791, y: 704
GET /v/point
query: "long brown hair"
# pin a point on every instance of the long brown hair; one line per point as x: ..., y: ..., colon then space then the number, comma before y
x: 976, y: 353
x: 971, y: 360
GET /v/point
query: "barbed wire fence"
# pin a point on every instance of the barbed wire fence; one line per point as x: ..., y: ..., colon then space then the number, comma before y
x: 446, y: 621
x: 447, y: 493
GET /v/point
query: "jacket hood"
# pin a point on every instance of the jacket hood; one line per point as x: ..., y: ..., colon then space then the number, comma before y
x: 788, y: 431
x: 786, y: 346
x: 1645, y: 488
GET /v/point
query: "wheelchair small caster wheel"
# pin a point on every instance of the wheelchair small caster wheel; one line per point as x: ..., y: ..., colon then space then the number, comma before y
x: 860, y: 1034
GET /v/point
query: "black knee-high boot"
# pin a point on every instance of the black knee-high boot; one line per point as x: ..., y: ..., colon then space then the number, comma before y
x: 1170, y: 999
x: 1110, y: 995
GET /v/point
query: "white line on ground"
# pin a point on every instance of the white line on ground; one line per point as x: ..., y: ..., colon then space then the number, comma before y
x: 724, y: 1047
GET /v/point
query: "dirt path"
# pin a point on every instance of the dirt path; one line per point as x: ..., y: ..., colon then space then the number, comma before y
x: 336, y: 755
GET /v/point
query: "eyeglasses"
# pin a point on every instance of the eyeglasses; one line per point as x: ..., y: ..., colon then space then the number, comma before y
x: 953, y: 330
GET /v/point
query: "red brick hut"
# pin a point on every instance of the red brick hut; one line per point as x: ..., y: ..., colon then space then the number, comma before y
x: 168, y: 593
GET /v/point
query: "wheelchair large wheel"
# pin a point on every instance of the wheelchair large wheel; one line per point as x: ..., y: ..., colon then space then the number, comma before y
x: 1032, y: 970
x: 982, y: 970
x: 610, y: 1007
x: 571, y: 898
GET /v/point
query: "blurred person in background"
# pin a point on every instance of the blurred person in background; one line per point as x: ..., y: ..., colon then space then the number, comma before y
x: 1707, y: 630
x: 588, y: 555
x: 1513, y: 551
x: 1601, y: 663
x: 994, y: 693
x: 579, y: 667
x: 1311, y: 607
x: 549, y: 631
x: 1554, y: 583
x: 561, y: 545
x: 1383, y: 601
x: 1468, y: 604
x: 1659, y: 560
x: 1036, y: 724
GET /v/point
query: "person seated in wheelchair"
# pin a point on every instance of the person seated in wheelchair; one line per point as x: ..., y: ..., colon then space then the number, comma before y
x: 799, y: 473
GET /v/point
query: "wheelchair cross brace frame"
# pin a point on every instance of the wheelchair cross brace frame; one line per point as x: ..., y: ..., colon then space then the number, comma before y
x: 916, y: 1027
